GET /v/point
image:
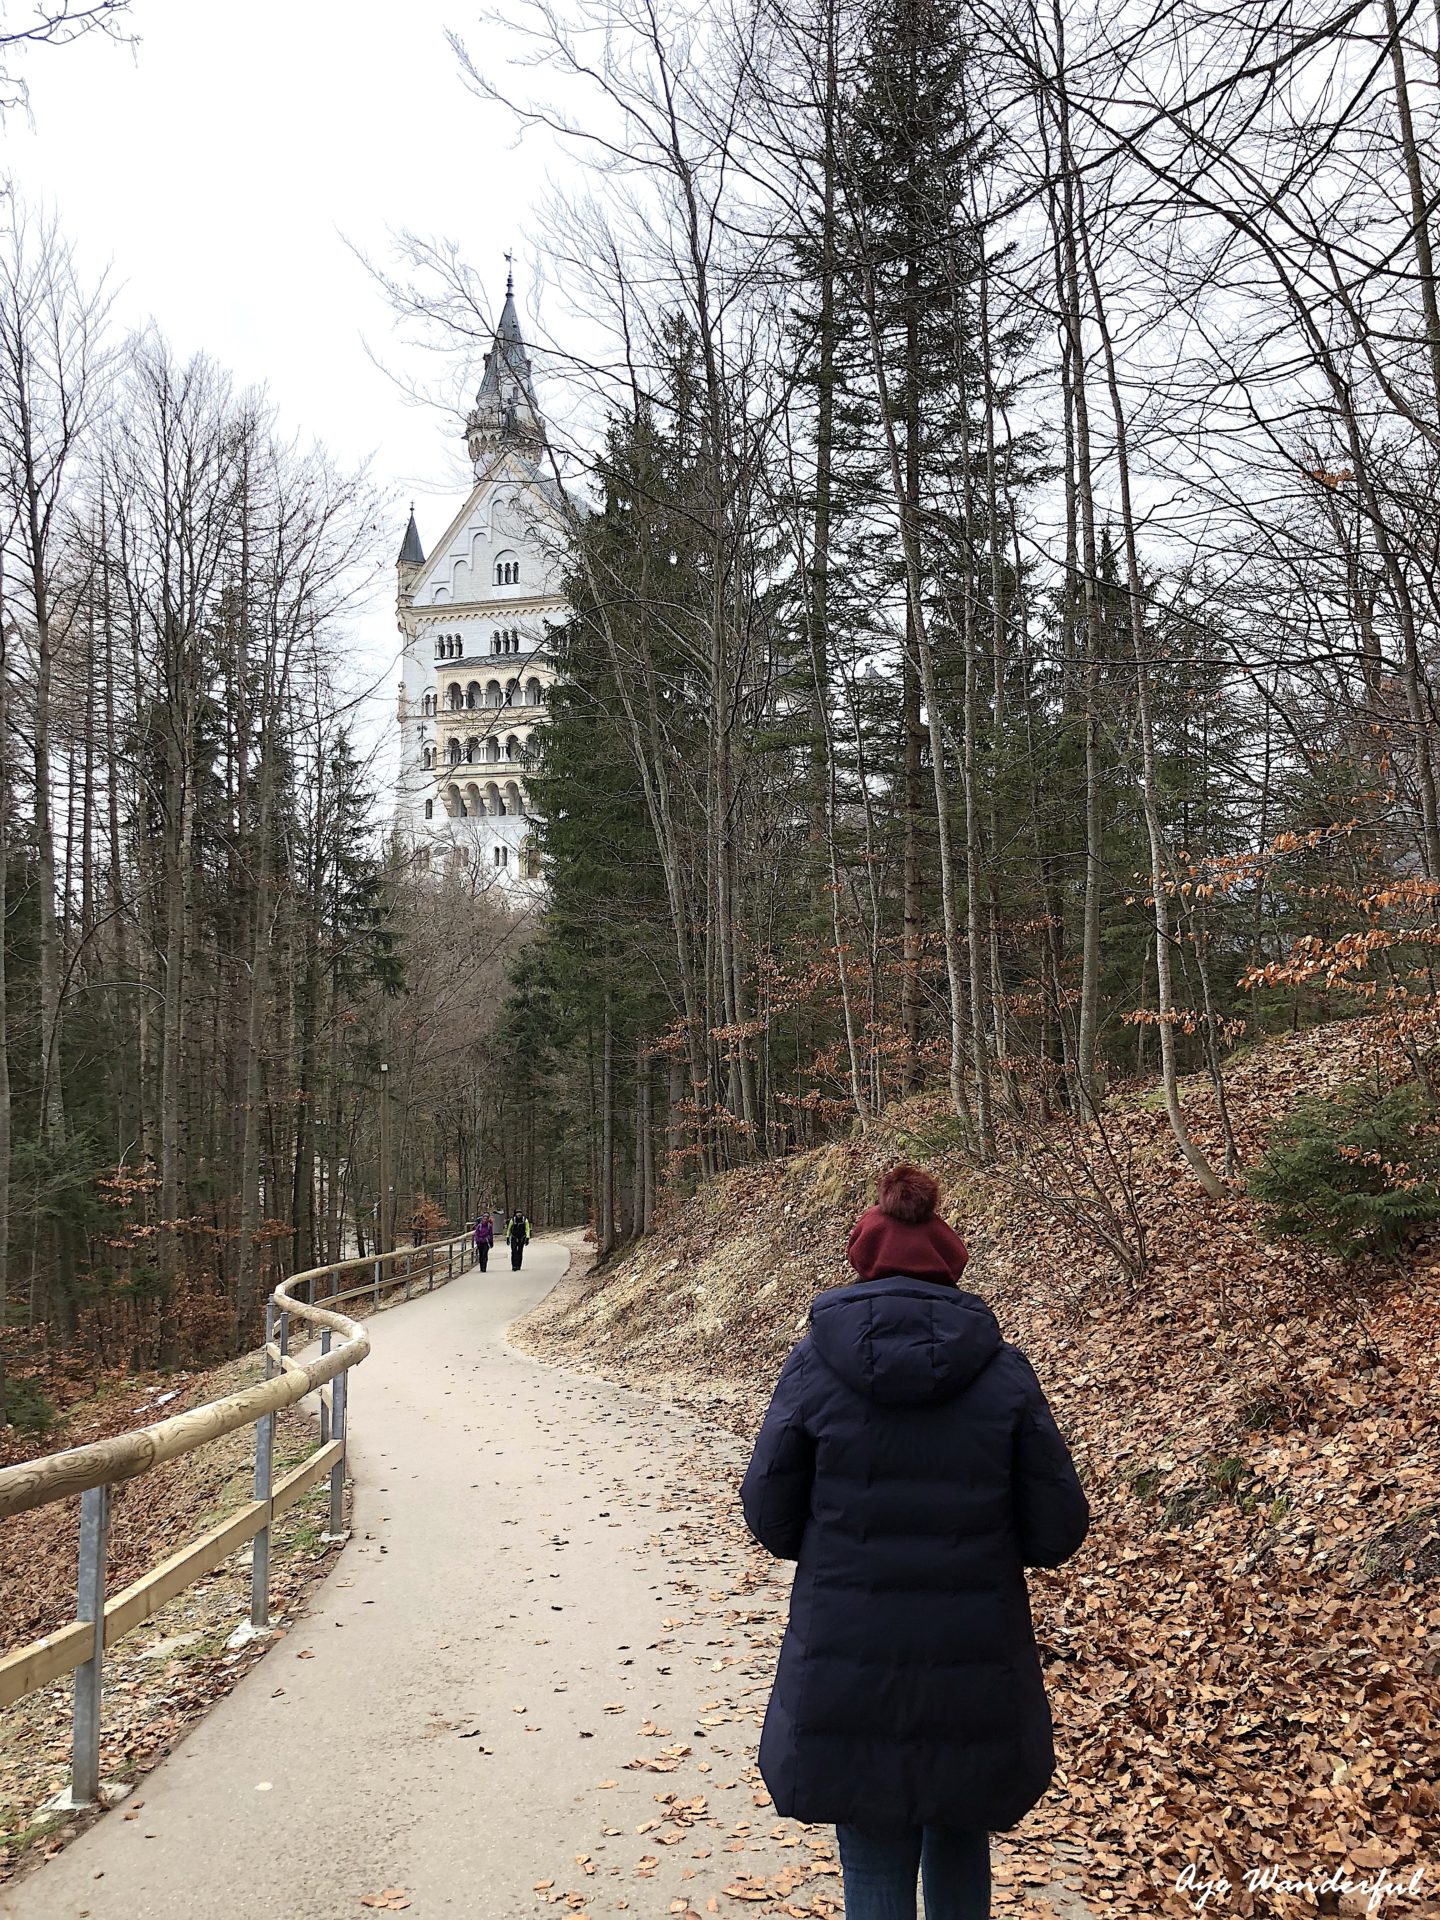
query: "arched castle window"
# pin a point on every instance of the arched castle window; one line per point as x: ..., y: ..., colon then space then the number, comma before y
x: 494, y: 694
x: 454, y: 753
x: 534, y: 694
x: 427, y: 705
x: 454, y: 696
x: 512, y: 688
x: 472, y: 750
x: 472, y: 694
x: 429, y: 757
x: 429, y: 815
x: 512, y: 748
x: 492, y: 748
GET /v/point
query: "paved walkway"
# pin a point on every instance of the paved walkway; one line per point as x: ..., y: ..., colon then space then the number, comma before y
x: 543, y: 1590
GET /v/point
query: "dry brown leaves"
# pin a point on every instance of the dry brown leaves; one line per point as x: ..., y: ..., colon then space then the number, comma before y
x: 1243, y: 1660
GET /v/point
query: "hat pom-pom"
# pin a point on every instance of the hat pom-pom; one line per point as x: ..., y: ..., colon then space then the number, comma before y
x: 908, y: 1193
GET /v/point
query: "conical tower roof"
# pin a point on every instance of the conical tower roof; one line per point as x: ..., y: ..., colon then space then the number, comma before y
x: 412, y: 554
x: 506, y: 413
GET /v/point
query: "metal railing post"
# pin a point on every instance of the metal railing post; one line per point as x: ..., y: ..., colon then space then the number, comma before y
x: 85, y: 1743
x: 377, y: 1283
x: 430, y: 1272
x: 449, y: 1259
x: 324, y: 1410
x: 264, y: 1483
x: 337, y: 1472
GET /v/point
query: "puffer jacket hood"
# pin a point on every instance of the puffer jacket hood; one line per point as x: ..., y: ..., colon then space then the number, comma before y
x: 904, y: 1342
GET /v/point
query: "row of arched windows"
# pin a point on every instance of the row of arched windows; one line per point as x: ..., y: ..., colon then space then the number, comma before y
x: 450, y: 646
x: 458, y: 698
x: 507, y: 573
x: 506, y: 641
x: 474, y: 750
x: 473, y: 804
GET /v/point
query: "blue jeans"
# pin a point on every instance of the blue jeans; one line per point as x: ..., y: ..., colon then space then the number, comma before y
x: 881, y: 1871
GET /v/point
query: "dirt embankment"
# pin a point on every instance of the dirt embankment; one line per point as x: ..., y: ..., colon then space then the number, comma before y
x: 1243, y: 1659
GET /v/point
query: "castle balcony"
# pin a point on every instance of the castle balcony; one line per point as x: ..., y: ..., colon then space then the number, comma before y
x: 524, y: 713
x: 446, y: 770
x: 482, y: 800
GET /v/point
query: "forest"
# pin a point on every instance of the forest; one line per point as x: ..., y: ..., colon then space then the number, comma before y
x: 1005, y: 568
x: 226, y: 1011
x: 1005, y: 610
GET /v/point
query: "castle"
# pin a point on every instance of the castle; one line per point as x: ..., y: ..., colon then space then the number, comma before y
x: 476, y: 671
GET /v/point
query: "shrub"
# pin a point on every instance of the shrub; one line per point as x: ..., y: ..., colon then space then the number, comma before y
x: 1355, y: 1174
x: 24, y: 1407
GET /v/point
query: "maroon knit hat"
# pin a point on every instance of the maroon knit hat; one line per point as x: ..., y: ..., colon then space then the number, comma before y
x: 903, y: 1234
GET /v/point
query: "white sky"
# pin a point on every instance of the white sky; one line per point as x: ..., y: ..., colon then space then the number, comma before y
x: 221, y: 165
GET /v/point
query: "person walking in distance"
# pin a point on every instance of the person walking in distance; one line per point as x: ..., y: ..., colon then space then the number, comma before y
x: 517, y: 1233
x: 484, y: 1239
x: 910, y: 1465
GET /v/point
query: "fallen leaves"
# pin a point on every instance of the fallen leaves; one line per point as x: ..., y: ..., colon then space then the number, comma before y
x: 1243, y: 1660
x: 388, y: 1900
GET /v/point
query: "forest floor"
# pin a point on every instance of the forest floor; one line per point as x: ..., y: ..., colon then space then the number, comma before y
x: 1243, y: 1659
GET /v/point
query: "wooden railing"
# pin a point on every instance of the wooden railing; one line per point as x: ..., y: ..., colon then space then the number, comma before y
x: 91, y: 1471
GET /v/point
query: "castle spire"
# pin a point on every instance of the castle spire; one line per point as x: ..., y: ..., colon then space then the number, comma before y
x: 412, y: 554
x: 506, y: 415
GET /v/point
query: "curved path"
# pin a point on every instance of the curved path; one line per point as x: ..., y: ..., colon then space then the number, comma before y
x: 542, y: 1589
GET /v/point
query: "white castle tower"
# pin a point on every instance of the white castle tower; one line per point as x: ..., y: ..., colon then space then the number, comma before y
x: 476, y: 671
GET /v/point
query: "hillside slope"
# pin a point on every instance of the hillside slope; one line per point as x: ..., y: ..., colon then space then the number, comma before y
x: 1243, y: 1659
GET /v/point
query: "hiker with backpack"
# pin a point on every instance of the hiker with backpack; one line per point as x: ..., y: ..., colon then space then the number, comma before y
x: 518, y: 1233
x: 910, y: 1465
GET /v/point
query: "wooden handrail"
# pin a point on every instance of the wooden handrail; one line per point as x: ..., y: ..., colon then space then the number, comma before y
x: 58, y: 1476
x: 80, y: 1644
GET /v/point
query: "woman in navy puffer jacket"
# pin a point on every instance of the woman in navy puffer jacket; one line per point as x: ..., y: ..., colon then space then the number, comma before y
x: 910, y: 1464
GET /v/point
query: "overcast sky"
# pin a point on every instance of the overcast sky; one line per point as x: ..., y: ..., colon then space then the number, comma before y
x: 221, y: 165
